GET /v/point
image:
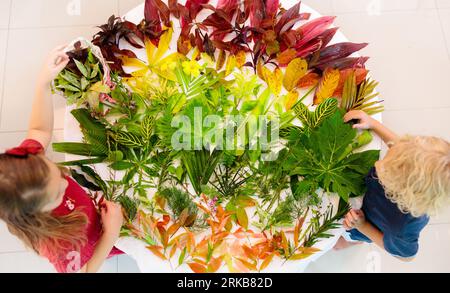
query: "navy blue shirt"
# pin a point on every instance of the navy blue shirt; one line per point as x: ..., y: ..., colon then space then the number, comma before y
x: 401, y: 231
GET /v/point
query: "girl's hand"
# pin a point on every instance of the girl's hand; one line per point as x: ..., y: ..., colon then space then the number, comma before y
x: 365, y: 121
x: 56, y: 61
x: 112, y: 218
x: 355, y: 219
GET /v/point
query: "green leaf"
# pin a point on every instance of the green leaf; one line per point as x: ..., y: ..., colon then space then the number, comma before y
x: 68, y: 87
x: 128, y: 139
x: 79, y: 149
x: 322, y: 156
x: 313, y: 119
x: 82, y: 68
x: 121, y: 165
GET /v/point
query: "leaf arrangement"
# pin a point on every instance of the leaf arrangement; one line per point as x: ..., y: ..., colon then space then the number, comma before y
x: 203, y: 205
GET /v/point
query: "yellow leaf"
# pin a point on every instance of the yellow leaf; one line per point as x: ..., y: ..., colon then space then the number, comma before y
x: 163, y: 44
x: 133, y: 62
x: 300, y: 256
x: 231, y: 65
x: 327, y: 86
x: 241, y: 58
x: 296, y: 69
x: 273, y: 79
x: 157, y: 251
x: 242, y: 217
x: 291, y: 98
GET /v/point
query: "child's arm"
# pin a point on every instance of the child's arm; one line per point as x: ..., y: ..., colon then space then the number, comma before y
x: 112, y: 219
x: 41, y: 120
x: 367, y: 122
x: 355, y: 219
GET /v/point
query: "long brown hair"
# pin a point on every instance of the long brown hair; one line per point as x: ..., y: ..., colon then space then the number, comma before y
x: 23, y: 183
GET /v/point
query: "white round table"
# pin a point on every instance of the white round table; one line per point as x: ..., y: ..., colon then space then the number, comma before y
x: 145, y: 259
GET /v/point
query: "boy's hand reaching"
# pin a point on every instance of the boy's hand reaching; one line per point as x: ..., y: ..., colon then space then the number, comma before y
x: 56, y: 61
x: 364, y: 120
x: 355, y: 219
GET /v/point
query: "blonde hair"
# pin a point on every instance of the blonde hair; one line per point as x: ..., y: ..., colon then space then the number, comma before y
x: 416, y: 176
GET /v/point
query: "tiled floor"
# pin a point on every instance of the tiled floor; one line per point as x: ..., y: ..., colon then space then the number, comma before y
x: 410, y: 56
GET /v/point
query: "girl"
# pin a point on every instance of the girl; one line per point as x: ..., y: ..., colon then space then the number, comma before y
x: 411, y: 183
x: 44, y: 207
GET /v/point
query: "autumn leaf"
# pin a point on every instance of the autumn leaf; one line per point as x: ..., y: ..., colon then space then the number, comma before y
x: 247, y: 264
x: 214, y: 264
x: 197, y: 268
x: 242, y: 217
x: 266, y: 262
x: 309, y: 80
x: 286, y: 56
x: 296, y: 69
x: 360, y: 73
x: 231, y: 64
x: 157, y: 250
x: 273, y: 79
x: 291, y: 99
x: 241, y: 58
x: 155, y: 61
x: 327, y: 86
x: 221, y: 60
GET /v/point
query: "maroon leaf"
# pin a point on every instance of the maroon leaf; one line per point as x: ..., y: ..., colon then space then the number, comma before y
x: 338, y: 51
x: 151, y: 11
x: 164, y: 11
x: 310, y: 48
x: 293, y: 12
x: 173, y: 7
x: 345, y: 63
x: 327, y: 36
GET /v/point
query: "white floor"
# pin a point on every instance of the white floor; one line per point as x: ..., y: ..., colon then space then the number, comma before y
x: 410, y: 56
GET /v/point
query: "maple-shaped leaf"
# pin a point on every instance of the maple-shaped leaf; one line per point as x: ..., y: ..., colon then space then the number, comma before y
x: 326, y: 155
x: 327, y: 86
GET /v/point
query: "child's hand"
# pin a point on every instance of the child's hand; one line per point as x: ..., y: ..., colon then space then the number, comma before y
x: 365, y: 121
x: 112, y: 218
x: 354, y: 219
x: 56, y: 61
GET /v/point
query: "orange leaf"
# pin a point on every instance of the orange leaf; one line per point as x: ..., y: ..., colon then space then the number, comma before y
x: 197, y: 268
x: 327, y: 86
x: 309, y: 80
x: 172, y: 251
x: 157, y: 250
x: 214, y: 264
x: 266, y: 262
x: 241, y: 58
x: 286, y: 56
x: 249, y: 252
x: 291, y: 98
x: 360, y: 73
x: 247, y: 264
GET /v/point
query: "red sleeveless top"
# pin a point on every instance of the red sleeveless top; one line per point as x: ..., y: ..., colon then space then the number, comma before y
x: 75, y: 198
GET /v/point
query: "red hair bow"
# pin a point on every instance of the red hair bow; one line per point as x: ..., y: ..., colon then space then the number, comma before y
x: 28, y: 147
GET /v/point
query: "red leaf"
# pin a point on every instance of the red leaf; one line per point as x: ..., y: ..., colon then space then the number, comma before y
x: 164, y: 11
x: 272, y: 8
x: 228, y: 6
x: 313, y: 29
x: 255, y: 11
